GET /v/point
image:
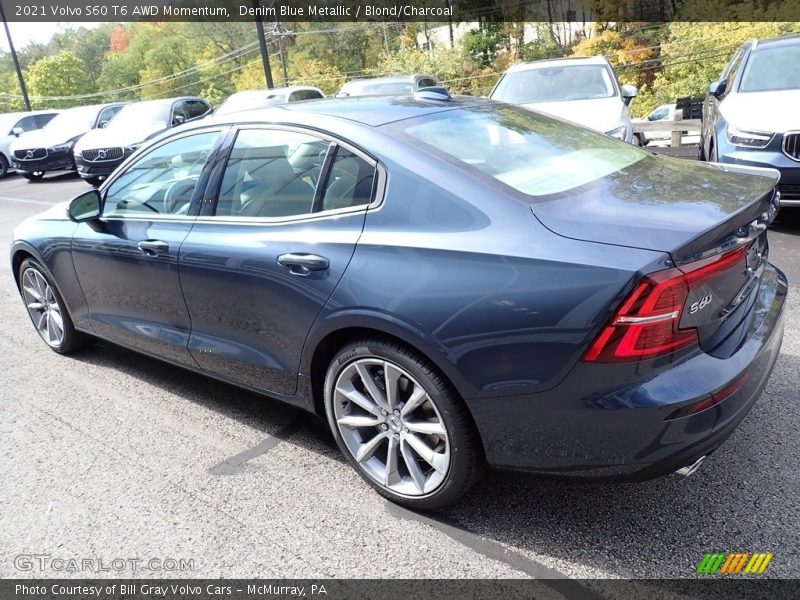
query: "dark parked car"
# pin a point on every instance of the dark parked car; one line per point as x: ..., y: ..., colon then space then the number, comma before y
x: 99, y: 152
x: 751, y: 116
x: 449, y: 282
x: 250, y: 99
x: 50, y: 149
x: 379, y: 86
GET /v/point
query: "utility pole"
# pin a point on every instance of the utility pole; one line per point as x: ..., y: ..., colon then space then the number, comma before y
x: 262, y: 42
x: 16, y: 61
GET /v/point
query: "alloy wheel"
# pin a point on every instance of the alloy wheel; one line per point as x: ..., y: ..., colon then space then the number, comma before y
x: 43, y: 307
x: 391, y: 427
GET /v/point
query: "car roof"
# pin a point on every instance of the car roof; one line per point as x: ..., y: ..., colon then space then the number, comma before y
x: 367, y: 110
x: 782, y: 40
x: 560, y: 62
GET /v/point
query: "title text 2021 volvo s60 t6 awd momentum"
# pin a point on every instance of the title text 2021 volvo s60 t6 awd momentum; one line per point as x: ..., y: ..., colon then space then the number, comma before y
x: 450, y: 282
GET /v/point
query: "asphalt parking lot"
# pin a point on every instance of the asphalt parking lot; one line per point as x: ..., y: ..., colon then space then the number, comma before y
x: 108, y: 454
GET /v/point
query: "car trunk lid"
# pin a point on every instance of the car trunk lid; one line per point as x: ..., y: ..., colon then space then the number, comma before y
x: 711, y: 219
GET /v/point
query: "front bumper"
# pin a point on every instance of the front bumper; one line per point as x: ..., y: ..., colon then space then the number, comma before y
x: 770, y: 157
x: 52, y: 162
x: 608, y: 421
x: 87, y: 169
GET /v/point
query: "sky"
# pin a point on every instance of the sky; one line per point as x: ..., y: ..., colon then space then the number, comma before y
x: 24, y: 33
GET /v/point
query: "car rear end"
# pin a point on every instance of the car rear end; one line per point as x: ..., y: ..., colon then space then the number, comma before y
x: 666, y: 370
x: 679, y: 360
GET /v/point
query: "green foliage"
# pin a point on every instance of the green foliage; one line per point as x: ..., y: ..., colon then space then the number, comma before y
x: 61, y: 75
x: 484, y: 44
x: 694, y: 54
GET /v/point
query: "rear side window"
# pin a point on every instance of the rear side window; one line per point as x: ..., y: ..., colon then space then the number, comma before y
x: 273, y: 174
x: 350, y: 183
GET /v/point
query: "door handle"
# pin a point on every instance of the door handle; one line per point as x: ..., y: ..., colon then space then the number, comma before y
x: 302, y: 264
x: 153, y: 247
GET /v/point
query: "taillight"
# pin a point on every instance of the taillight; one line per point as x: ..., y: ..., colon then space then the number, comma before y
x: 646, y: 324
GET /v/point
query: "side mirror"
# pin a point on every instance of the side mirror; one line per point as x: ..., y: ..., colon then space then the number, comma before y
x: 17, y: 131
x: 717, y: 88
x: 629, y: 92
x: 178, y: 120
x: 102, y: 124
x: 86, y: 207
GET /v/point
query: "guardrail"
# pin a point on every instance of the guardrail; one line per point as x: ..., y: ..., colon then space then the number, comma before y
x: 677, y: 127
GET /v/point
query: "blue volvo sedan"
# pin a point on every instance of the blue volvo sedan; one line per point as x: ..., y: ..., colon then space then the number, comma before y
x: 450, y: 282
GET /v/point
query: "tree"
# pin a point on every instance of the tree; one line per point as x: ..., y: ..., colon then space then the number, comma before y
x: 61, y: 75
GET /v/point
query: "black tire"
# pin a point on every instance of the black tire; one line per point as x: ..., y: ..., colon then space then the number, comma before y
x: 701, y: 153
x: 72, y: 340
x: 466, y: 460
x: 3, y: 166
x: 33, y: 175
x: 94, y: 181
x: 712, y: 153
x: 640, y: 139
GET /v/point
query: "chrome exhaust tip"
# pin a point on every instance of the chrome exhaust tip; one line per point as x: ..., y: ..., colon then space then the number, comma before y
x: 689, y: 469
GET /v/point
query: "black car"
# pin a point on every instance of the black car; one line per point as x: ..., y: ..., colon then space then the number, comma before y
x: 449, y: 282
x: 98, y: 153
x: 751, y: 115
x: 50, y: 149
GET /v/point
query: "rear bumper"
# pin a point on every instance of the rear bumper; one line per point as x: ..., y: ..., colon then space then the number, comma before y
x: 608, y: 422
x: 88, y: 169
x: 53, y: 162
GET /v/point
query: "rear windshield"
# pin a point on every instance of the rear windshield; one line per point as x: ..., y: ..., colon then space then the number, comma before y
x: 555, y: 84
x: 532, y: 153
x: 772, y: 69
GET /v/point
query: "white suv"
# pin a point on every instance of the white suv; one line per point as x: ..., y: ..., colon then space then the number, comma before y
x: 582, y: 90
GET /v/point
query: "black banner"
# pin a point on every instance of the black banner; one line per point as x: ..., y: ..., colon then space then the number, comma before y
x: 371, y: 589
x: 577, y: 11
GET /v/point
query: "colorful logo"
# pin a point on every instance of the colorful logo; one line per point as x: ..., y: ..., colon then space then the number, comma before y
x: 733, y: 563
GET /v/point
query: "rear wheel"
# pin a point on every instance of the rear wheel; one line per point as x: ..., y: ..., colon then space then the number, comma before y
x: 47, y: 310
x: 401, y: 425
x: 3, y: 166
x: 33, y: 175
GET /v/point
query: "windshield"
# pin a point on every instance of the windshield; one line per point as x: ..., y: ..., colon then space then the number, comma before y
x: 142, y: 114
x: 239, y: 102
x: 377, y: 89
x: 73, y: 120
x: 530, y: 152
x: 555, y: 84
x: 772, y: 69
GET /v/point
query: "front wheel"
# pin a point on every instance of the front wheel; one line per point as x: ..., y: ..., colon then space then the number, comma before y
x: 47, y: 310
x: 3, y: 166
x: 33, y: 175
x: 401, y: 425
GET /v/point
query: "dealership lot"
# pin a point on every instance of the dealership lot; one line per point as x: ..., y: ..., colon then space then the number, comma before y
x: 108, y: 455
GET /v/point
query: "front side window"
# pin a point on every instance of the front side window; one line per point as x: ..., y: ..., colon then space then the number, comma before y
x: 530, y: 152
x: 196, y: 108
x: 162, y: 181
x: 273, y: 173
x: 107, y: 114
x: 26, y: 123
x: 555, y: 84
